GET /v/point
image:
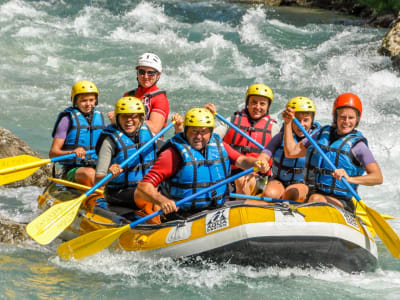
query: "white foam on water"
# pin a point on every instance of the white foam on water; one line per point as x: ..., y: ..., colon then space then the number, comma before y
x: 17, y: 8
x: 20, y: 204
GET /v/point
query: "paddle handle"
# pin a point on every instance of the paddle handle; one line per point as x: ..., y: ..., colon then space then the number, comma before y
x: 243, y: 196
x: 39, y: 163
x: 327, y: 160
x: 237, y: 129
x: 71, y: 155
x: 206, y: 190
x: 129, y: 159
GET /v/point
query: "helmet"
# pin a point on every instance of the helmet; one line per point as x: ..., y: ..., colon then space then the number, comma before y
x: 301, y: 104
x: 149, y: 60
x: 347, y: 100
x: 259, y: 89
x: 129, y: 105
x: 199, y: 117
x: 84, y: 87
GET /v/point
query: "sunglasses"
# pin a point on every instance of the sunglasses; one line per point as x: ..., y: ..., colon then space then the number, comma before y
x: 150, y: 73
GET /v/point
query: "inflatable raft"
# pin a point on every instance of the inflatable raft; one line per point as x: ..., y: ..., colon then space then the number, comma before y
x: 281, y: 234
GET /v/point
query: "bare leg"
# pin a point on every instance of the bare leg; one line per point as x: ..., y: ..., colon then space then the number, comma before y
x: 85, y: 176
x: 296, y: 192
x: 245, y: 184
x: 274, y: 189
x: 323, y: 198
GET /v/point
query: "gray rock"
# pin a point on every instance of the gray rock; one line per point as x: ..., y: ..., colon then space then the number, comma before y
x: 12, y: 232
x: 391, y: 44
x: 10, y: 145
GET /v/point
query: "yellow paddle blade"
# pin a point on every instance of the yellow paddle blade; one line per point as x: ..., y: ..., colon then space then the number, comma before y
x: 20, y: 162
x: 7, y: 164
x: 90, y: 243
x: 16, y: 176
x: 19, y: 167
x: 385, y: 232
x: 75, y: 185
x: 54, y: 221
x: 363, y: 213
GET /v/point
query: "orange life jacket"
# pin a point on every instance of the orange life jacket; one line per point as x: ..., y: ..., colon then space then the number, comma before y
x: 259, y: 130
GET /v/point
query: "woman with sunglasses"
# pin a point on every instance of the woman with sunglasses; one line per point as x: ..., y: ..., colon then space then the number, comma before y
x: 155, y: 101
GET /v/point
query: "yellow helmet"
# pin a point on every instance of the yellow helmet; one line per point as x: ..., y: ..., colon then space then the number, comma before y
x: 84, y: 87
x: 259, y: 89
x: 301, y: 104
x: 129, y: 105
x: 199, y: 117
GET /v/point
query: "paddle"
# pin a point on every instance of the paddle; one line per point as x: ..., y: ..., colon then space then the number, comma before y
x: 267, y: 199
x: 237, y: 129
x: 57, y: 218
x: 385, y: 232
x: 19, y: 167
x: 93, y: 242
x: 74, y: 185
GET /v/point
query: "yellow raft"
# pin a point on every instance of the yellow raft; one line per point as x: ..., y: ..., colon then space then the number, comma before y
x: 282, y: 234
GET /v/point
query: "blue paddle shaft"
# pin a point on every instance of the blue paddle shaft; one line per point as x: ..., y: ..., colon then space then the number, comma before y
x: 130, y: 158
x: 180, y: 202
x: 71, y: 155
x: 237, y: 129
x: 327, y: 160
x: 243, y: 196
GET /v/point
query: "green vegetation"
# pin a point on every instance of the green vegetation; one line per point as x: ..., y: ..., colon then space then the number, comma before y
x: 382, y: 6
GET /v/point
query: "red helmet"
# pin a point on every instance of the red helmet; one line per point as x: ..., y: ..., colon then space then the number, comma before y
x: 347, y: 100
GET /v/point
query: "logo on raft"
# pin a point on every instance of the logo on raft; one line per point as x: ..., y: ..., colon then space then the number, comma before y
x: 217, y: 220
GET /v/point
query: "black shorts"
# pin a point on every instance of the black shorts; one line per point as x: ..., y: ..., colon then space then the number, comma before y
x: 121, y: 197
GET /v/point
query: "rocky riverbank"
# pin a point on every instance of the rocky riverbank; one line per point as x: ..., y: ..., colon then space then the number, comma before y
x: 11, y: 145
x: 391, y: 44
x: 344, y: 6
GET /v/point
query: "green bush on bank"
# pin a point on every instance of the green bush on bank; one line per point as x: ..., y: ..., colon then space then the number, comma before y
x: 382, y: 6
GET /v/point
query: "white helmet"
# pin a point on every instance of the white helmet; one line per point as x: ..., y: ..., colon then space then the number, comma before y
x: 149, y: 60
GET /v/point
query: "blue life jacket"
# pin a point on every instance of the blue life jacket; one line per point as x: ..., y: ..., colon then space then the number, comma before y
x: 289, y: 170
x: 319, y: 174
x: 136, y: 168
x: 199, y: 172
x: 81, y: 134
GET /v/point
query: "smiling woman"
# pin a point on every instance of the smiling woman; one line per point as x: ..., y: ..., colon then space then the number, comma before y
x: 116, y: 144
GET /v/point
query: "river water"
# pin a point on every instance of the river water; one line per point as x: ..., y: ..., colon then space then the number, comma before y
x: 211, y: 52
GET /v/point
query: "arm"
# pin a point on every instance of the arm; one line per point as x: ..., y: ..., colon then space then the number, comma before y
x: 149, y: 193
x: 245, y: 162
x: 159, y: 113
x: 59, y: 140
x: 156, y: 122
x: 292, y: 149
x: 162, y: 169
x: 365, y: 156
x: 240, y: 161
x: 373, y: 176
x: 105, y: 156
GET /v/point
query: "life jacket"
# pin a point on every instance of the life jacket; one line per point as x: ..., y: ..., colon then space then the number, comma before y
x: 199, y: 172
x: 259, y: 131
x: 319, y: 174
x: 81, y: 134
x: 136, y: 168
x: 146, y: 99
x: 290, y: 170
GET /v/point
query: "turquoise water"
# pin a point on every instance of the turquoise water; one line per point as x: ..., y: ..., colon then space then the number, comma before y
x: 211, y: 52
